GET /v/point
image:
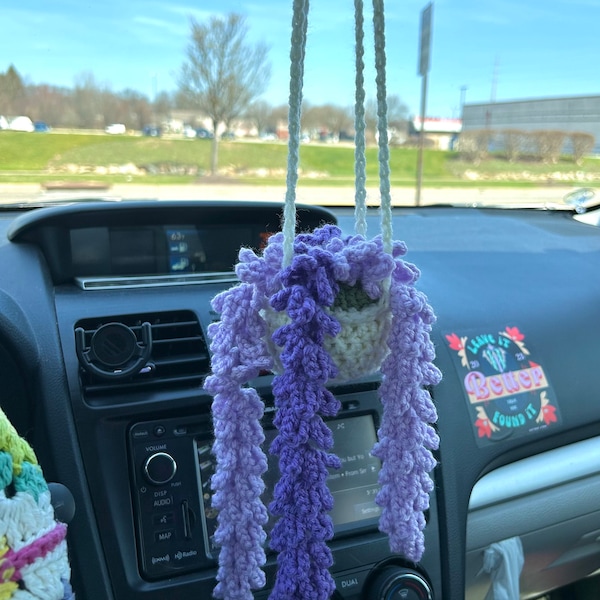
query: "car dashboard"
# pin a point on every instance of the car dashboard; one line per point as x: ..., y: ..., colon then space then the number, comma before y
x: 104, y: 312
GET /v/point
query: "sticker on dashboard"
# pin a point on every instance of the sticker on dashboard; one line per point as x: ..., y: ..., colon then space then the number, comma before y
x: 508, y: 393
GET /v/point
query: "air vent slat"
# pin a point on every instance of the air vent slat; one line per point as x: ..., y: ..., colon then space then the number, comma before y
x: 200, y: 358
x: 173, y: 382
x: 179, y: 356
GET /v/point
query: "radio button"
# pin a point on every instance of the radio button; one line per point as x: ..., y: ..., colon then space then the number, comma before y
x: 163, y: 502
x: 160, y: 468
x: 163, y: 519
x: 350, y: 585
x: 164, y: 536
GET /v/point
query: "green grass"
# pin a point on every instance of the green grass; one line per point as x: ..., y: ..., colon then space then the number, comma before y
x: 35, y: 152
x: 35, y: 158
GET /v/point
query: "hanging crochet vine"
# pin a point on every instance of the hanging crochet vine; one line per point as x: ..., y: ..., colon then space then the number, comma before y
x: 319, y: 308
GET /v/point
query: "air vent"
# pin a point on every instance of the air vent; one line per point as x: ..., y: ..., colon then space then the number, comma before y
x: 178, y: 356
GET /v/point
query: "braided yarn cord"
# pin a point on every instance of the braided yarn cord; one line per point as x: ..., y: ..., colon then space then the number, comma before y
x: 33, y: 549
x: 318, y: 309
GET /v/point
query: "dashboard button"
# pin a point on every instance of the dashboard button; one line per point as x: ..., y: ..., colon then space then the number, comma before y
x: 160, y: 468
x: 350, y: 584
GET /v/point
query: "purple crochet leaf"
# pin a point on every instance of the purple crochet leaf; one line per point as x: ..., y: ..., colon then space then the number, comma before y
x: 239, y: 352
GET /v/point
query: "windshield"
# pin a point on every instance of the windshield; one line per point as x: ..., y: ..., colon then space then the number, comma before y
x: 487, y: 103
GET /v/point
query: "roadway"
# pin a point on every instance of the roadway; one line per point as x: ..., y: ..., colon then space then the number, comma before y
x: 331, y: 196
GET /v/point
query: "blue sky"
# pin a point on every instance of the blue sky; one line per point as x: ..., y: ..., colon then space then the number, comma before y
x: 508, y: 48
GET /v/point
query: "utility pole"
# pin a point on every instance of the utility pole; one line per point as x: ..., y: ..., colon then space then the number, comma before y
x: 463, y: 95
x: 494, y: 81
x: 424, y: 59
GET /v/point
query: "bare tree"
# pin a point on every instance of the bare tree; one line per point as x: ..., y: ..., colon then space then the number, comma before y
x: 582, y: 144
x: 397, y: 111
x: 473, y: 145
x: 89, y: 101
x: 223, y: 73
x: 397, y: 114
x: 12, y: 92
x: 48, y: 103
x: 163, y: 103
x: 260, y: 114
x: 310, y: 117
x: 513, y: 144
x: 336, y: 119
x: 549, y: 145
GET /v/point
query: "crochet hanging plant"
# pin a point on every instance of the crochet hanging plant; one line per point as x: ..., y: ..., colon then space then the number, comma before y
x: 318, y: 308
x: 325, y: 265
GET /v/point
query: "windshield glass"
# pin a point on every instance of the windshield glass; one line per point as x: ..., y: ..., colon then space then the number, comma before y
x: 487, y: 103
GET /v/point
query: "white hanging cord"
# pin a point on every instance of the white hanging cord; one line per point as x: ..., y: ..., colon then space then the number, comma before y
x: 382, y: 126
x: 360, y: 144
x: 297, y: 52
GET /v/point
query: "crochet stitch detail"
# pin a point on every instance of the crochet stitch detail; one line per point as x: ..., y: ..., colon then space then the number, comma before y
x: 33, y: 551
x: 301, y: 297
x: 238, y: 355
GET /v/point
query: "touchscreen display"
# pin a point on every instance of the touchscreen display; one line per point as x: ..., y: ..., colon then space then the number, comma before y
x: 353, y: 486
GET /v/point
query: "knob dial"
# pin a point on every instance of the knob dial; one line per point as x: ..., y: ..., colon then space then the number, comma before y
x: 397, y: 583
x: 160, y: 468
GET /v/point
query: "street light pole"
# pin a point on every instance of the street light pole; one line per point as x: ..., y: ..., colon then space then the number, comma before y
x: 423, y: 66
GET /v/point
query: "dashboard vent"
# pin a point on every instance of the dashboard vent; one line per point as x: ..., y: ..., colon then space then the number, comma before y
x: 179, y: 355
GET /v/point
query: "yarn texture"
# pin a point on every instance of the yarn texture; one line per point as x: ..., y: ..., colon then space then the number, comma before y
x: 33, y: 550
x: 304, y: 294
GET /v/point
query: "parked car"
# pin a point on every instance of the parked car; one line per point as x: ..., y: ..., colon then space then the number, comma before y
x: 115, y: 129
x: 203, y: 133
x: 41, y: 127
x: 189, y: 132
x: 152, y: 131
x: 21, y: 123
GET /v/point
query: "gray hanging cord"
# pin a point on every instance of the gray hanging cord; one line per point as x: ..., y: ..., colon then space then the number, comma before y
x: 382, y: 126
x: 297, y: 53
x: 360, y: 143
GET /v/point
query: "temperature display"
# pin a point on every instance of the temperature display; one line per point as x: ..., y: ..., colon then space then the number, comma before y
x: 186, y: 254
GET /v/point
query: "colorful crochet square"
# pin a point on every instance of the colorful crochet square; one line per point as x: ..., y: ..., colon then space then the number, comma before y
x: 33, y: 549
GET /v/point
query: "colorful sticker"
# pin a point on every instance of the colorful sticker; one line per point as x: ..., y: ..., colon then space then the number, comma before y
x: 508, y: 393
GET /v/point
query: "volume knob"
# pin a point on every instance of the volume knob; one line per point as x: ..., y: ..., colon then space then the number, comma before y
x: 160, y: 468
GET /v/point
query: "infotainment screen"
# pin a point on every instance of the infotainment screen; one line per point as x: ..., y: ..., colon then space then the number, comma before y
x: 353, y: 486
x: 160, y: 250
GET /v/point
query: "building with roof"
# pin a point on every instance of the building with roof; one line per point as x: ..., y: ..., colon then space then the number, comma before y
x: 568, y: 114
x: 440, y: 133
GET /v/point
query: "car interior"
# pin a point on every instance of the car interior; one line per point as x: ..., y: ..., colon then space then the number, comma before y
x: 107, y: 329
x: 518, y: 446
